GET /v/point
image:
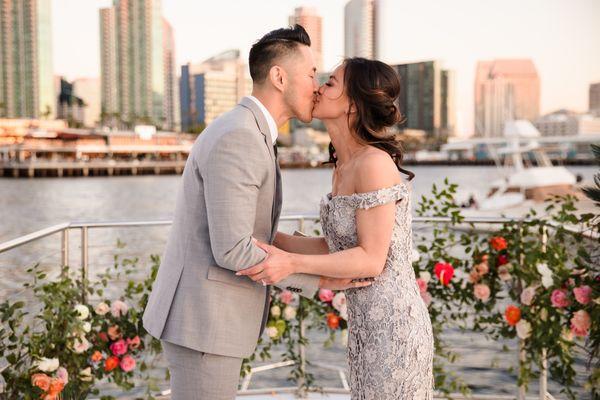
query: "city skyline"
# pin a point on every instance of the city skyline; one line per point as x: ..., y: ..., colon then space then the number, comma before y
x: 509, y: 30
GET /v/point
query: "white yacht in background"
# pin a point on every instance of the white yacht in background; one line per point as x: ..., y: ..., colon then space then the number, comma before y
x: 522, y: 180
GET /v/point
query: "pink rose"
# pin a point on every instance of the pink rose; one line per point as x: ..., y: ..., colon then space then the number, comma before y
x: 482, y: 268
x: 118, y: 308
x: 481, y: 292
x: 426, y: 298
x: 127, y: 363
x: 560, y: 298
x: 583, y: 294
x: 133, y: 343
x: 63, y: 375
x: 326, y: 295
x: 119, y: 347
x: 286, y: 296
x: 527, y: 295
x: 422, y: 285
x: 581, y: 323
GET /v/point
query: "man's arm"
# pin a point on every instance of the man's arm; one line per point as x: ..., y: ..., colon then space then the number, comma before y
x: 232, y: 176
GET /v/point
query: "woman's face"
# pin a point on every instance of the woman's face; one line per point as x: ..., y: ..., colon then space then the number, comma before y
x: 331, y: 101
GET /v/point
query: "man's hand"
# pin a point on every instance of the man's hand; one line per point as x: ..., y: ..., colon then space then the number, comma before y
x: 274, y: 268
x: 341, y: 283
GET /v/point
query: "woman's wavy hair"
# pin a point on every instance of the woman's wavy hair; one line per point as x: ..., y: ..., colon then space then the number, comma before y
x: 373, y: 88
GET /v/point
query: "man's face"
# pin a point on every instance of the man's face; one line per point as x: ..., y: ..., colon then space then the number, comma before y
x: 302, y: 86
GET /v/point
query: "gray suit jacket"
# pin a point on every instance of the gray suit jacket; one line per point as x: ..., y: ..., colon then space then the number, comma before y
x: 230, y: 192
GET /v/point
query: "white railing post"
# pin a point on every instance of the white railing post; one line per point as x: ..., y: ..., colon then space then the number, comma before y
x: 84, y: 263
x: 65, y: 247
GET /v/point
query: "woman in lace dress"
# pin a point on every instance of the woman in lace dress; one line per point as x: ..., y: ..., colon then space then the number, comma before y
x: 367, y: 234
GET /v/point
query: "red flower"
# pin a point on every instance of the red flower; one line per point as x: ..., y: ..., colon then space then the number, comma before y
x: 498, y: 243
x: 111, y: 363
x: 444, y: 272
x: 333, y: 321
x: 103, y: 336
x: 502, y: 259
x: 512, y: 315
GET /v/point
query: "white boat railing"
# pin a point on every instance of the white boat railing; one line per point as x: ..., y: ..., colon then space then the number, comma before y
x: 64, y: 229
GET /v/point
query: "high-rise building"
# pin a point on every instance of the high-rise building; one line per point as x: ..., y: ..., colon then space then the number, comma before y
x: 211, y: 88
x: 360, y: 29
x: 26, y: 76
x: 133, y: 51
x: 88, y: 90
x: 70, y: 107
x: 595, y: 98
x: 171, y: 104
x: 108, y: 66
x: 312, y: 22
x: 505, y: 90
x: 427, y: 98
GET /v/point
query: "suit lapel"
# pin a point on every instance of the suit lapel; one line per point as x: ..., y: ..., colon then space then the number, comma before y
x: 263, y: 126
x: 261, y: 122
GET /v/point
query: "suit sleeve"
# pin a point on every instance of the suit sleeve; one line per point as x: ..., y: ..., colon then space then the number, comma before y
x: 232, y: 176
x: 307, y: 285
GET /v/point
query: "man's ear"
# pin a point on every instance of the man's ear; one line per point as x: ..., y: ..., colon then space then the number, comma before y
x: 278, y: 77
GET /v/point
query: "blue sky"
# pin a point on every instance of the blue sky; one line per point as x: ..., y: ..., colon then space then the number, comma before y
x: 561, y: 36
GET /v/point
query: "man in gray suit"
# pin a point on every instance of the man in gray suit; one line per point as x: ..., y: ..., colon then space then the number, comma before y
x: 207, y: 318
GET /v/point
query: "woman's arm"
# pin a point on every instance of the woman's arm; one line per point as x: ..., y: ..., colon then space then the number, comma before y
x: 300, y: 244
x: 374, y: 229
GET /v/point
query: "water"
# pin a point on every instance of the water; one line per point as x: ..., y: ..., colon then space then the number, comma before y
x: 29, y: 205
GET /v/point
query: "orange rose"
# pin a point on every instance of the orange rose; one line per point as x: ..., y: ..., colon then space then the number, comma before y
x: 111, y: 363
x: 498, y: 243
x: 512, y: 315
x: 56, y: 386
x: 333, y: 321
x: 114, y: 332
x: 97, y: 356
x: 41, y: 381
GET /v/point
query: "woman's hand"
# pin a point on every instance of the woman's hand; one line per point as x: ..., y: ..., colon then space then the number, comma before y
x: 274, y: 268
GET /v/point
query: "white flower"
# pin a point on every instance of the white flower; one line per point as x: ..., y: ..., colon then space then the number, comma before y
x: 86, y: 374
x: 289, y: 313
x: 523, y: 329
x: 339, y: 300
x: 544, y: 314
x: 47, y: 364
x: 344, y: 312
x: 415, y: 256
x: 83, y: 311
x: 425, y: 276
x: 81, y: 345
x: 272, y: 332
x: 344, y: 337
x: 102, y: 308
x: 275, y: 311
x: 87, y: 327
x: 546, y: 274
x: 118, y: 308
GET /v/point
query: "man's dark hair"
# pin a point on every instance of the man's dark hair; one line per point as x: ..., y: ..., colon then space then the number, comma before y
x: 273, y: 46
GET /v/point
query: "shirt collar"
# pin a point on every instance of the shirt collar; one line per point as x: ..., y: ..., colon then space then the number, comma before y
x: 269, y: 118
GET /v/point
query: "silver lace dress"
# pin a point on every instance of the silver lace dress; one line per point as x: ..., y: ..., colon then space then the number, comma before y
x: 390, y: 339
